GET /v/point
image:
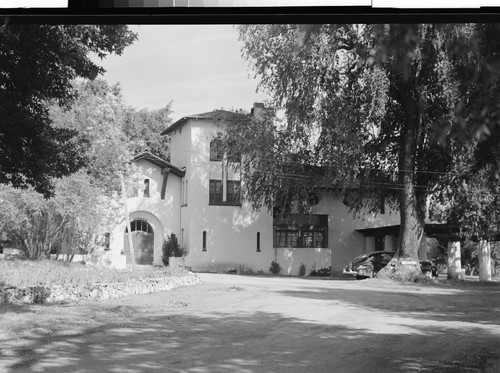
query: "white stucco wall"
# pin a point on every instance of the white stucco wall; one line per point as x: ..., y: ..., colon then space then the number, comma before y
x: 343, y: 240
x: 162, y: 214
x: 231, y: 231
x: 290, y: 259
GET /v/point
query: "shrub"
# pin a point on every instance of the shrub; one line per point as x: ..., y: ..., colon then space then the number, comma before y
x: 244, y: 270
x: 170, y: 248
x: 323, y: 272
x: 40, y: 294
x: 275, y: 268
x: 302, y: 270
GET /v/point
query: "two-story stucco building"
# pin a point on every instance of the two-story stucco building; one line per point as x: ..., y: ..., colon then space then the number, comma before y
x: 196, y: 196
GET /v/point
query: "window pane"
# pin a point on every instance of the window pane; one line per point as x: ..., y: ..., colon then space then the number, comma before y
x: 318, y: 239
x: 216, y: 153
x: 233, y: 191
x: 215, y: 191
x: 280, y: 239
x: 308, y: 238
x: 292, y: 238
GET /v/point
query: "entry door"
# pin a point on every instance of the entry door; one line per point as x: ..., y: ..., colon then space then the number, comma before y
x: 143, y: 241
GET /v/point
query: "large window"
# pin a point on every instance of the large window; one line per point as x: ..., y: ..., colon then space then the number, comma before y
x: 216, y: 151
x: 301, y: 231
x: 215, y: 195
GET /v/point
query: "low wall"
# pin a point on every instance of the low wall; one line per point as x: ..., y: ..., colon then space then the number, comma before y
x: 68, y: 293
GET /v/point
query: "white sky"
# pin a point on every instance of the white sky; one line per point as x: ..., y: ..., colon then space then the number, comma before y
x: 198, y: 67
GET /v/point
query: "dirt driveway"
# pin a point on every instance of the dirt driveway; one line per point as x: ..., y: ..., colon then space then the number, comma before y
x: 262, y: 324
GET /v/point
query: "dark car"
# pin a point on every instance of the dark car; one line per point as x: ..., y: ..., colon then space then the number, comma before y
x: 428, y: 268
x: 368, y: 265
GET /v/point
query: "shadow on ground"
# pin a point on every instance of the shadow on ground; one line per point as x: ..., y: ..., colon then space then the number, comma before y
x: 376, y: 331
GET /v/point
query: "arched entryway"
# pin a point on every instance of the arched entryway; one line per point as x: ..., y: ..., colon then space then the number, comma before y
x: 142, y: 240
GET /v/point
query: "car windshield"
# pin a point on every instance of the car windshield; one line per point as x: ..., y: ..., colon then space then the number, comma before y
x: 359, y: 259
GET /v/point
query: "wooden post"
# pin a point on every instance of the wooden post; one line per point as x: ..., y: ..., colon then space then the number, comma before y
x: 484, y: 261
x: 127, y: 219
x: 454, y: 261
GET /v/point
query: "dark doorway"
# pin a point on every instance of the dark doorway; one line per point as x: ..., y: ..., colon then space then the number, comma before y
x: 143, y: 242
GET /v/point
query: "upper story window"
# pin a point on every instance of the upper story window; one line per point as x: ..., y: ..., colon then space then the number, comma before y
x: 216, y: 151
x: 146, y: 187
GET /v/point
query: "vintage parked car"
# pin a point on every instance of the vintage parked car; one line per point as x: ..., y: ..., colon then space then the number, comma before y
x: 368, y: 265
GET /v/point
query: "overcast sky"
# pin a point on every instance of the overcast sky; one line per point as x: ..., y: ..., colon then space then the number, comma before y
x: 198, y: 67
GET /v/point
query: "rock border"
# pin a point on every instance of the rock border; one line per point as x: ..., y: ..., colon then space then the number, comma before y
x: 97, y: 291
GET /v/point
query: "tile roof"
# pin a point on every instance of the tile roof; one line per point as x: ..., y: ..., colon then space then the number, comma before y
x: 215, y: 114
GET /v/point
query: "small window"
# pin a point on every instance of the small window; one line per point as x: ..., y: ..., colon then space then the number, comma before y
x: 215, y: 191
x: 379, y: 243
x: 106, y: 241
x: 146, y: 188
x: 184, y: 193
x: 258, y: 242
x: 216, y: 151
x: 204, y: 241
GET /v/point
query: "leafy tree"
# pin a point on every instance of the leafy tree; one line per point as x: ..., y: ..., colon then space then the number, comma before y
x: 368, y: 109
x: 143, y: 128
x: 97, y: 115
x: 85, y: 204
x: 78, y: 213
x: 38, y: 64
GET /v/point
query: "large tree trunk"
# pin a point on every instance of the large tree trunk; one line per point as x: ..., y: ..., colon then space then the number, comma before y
x: 412, y: 207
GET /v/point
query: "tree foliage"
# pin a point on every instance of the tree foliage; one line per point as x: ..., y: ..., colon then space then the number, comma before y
x: 171, y: 248
x: 38, y: 64
x: 78, y: 213
x: 86, y: 204
x: 143, y: 129
x: 97, y: 115
x: 369, y: 109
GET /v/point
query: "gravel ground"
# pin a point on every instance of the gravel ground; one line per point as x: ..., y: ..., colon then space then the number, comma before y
x: 245, y: 324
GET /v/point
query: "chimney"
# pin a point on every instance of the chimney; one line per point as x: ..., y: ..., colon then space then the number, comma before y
x: 258, y: 110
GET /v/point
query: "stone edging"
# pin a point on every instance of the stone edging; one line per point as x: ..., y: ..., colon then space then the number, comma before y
x: 71, y: 293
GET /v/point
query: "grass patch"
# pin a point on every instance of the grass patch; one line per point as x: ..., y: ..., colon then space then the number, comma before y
x: 26, y: 273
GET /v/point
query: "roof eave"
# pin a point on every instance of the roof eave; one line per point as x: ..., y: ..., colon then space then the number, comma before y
x: 160, y: 163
